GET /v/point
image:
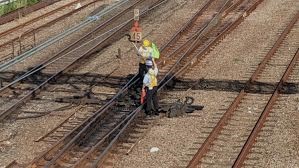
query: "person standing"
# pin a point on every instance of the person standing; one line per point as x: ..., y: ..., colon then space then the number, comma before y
x: 145, y: 52
x: 150, y: 84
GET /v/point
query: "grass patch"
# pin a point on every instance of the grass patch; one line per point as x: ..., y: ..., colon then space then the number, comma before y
x: 14, y: 5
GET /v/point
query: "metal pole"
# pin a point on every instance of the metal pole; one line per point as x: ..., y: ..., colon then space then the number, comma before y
x: 34, y: 42
x: 13, y: 48
x: 20, y: 43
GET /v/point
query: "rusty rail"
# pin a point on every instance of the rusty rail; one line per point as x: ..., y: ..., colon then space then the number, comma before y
x: 54, y: 59
x: 222, y: 122
x: 273, y: 49
x: 37, y: 18
x: 260, y: 123
x: 34, y: 31
x: 24, y: 11
x: 76, y: 137
x: 76, y: 133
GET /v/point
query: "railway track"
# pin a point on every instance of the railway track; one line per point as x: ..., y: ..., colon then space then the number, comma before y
x: 24, y: 11
x: 87, y: 34
x: 27, y: 35
x: 219, y: 25
x: 88, y: 144
x: 230, y: 140
x: 62, y: 61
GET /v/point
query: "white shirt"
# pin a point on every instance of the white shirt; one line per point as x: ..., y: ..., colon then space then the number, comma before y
x: 145, y: 52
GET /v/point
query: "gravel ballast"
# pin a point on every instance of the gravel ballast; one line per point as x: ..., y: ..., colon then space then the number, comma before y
x: 279, y: 147
x: 158, y: 28
x: 32, y: 15
x: 48, y: 32
x: 238, y: 55
x: 22, y: 146
x: 177, y: 138
x: 234, y: 58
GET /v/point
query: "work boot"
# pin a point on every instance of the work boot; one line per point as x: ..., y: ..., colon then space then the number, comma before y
x: 148, y: 113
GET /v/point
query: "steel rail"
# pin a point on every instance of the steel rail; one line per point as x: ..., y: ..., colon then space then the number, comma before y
x: 35, y: 30
x: 176, y: 34
x: 98, y: 160
x: 37, y: 18
x: 130, y: 118
x: 52, y: 60
x: 232, y: 7
x: 82, y: 161
x: 223, y: 120
x: 69, y: 47
x: 94, y: 118
x: 208, y: 47
x: 140, y: 107
x: 33, y: 92
x: 128, y: 123
x: 103, y: 109
x: 194, y: 44
x: 182, y: 46
x: 99, y: 112
x: 205, y: 50
x: 273, y: 49
x: 106, y: 149
x: 24, y: 11
x: 60, y: 36
x: 262, y: 119
x: 184, y: 27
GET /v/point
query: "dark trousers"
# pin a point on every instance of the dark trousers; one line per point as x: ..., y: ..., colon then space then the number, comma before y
x: 151, y: 101
x: 141, y: 71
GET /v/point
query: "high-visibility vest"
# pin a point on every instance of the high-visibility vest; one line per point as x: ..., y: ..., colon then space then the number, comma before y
x: 153, y: 82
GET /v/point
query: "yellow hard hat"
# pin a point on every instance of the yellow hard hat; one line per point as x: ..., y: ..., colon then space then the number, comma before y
x: 146, y: 43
